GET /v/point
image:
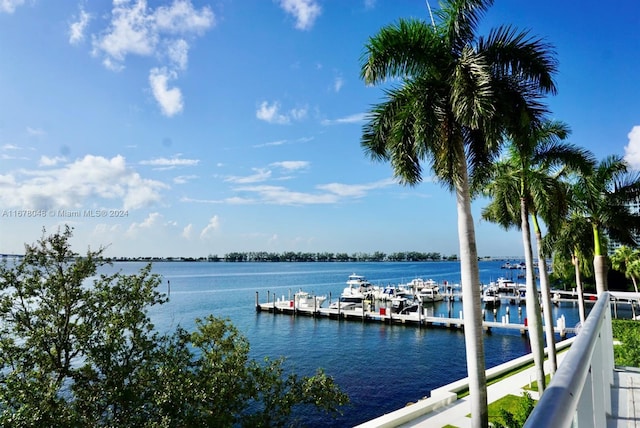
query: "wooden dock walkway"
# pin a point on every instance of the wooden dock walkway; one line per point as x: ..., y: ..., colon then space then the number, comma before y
x: 384, y: 315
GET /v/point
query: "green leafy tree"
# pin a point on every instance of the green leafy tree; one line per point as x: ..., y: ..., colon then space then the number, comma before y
x: 77, y: 348
x: 458, y: 91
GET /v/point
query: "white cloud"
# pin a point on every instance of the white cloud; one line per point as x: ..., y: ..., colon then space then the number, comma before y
x: 214, y: 224
x: 355, y: 190
x: 271, y: 113
x: 184, y: 179
x: 80, y: 184
x: 304, y: 11
x: 35, y: 132
x: 187, y: 232
x: 298, y: 113
x: 338, y: 84
x: 148, y: 223
x: 291, y: 165
x: 273, y: 143
x: 182, y: 18
x: 47, y: 161
x: 278, y: 195
x: 130, y: 32
x: 260, y: 175
x: 169, y: 99
x: 162, y: 33
x: 136, y: 30
x: 77, y: 28
x: 7, y: 180
x: 170, y: 162
x: 9, y: 6
x: 178, y: 52
x: 632, y: 150
x: 354, y: 118
x: 329, y: 194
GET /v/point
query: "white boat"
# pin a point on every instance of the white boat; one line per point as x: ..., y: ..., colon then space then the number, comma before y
x: 356, y: 281
x: 429, y: 293
x: 490, y: 296
x: 399, y: 303
x: 353, y: 296
x: 417, y: 284
x: 390, y: 291
x: 301, y: 300
x: 304, y: 299
x: 404, y: 305
x: 507, y: 290
x: 349, y: 302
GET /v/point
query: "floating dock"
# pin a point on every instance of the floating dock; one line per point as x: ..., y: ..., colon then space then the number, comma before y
x: 384, y: 315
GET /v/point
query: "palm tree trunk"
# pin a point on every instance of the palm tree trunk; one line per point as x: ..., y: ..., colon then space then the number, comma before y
x: 472, y: 304
x: 546, y: 298
x: 576, y: 264
x: 635, y: 283
x: 534, y: 317
x: 600, y: 272
x: 599, y: 263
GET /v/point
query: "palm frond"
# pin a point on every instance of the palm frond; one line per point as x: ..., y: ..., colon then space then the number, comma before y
x: 402, y: 50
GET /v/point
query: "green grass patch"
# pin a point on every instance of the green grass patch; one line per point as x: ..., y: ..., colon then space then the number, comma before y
x: 533, y: 386
x: 465, y: 392
x: 511, y: 410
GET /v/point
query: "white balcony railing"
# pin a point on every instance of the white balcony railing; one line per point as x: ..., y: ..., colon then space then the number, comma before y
x: 579, y: 395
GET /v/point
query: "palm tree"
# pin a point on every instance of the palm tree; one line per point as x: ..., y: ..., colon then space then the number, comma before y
x: 571, y: 240
x: 627, y: 261
x: 602, y: 196
x: 527, y: 184
x: 456, y: 94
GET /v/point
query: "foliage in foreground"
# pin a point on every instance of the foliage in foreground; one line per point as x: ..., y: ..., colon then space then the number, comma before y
x: 627, y: 332
x: 512, y: 411
x: 78, y: 349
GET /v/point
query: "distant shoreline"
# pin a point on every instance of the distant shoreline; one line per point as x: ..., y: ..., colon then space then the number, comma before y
x: 245, y: 258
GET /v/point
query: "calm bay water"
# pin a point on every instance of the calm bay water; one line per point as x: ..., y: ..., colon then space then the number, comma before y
x: 381, y: 367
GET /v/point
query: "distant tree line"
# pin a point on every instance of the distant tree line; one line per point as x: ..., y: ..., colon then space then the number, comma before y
x: 290, y: 256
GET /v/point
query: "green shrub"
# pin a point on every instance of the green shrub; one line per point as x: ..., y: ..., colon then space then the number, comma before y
x: 627, y: 332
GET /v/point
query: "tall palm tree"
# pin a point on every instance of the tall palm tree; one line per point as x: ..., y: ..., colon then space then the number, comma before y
x: 456, y: 93
x: 602, y: 196
x: 527, y: 184
x: 572, y: 240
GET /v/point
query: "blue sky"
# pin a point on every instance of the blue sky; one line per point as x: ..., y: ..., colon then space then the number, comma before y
x: 189, y: 127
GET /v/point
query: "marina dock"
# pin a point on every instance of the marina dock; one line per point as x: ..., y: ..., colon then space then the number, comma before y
x: 385, y: 315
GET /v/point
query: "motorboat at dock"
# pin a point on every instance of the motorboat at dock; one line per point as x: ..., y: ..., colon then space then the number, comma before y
x: 390, y: 291
x: 403, y: 305
x: 429, y: 293
x: 353, y: 296
x: 507, y: 290
x: 301, y: 300
x: 490, y: 296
